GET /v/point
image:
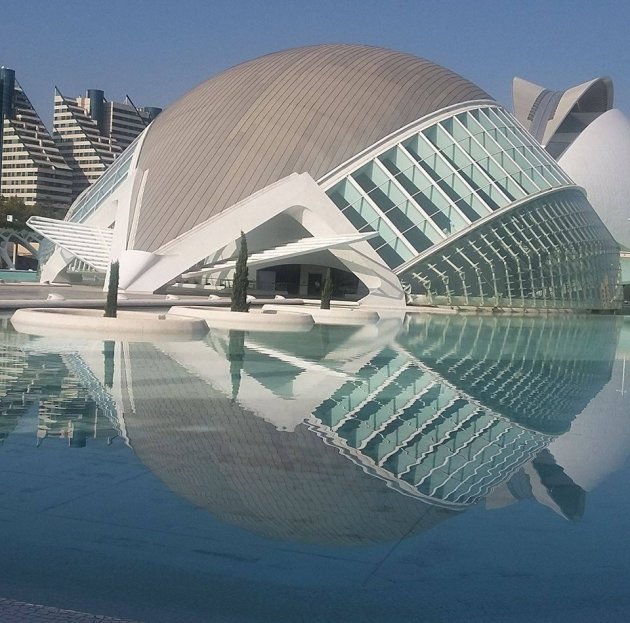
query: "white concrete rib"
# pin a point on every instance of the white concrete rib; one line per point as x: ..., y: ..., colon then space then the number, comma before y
x: 285, y: 251
x: 90, y: 244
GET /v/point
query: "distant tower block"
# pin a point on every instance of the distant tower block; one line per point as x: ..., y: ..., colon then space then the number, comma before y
x: 32, y: 167
x: 91, y: 132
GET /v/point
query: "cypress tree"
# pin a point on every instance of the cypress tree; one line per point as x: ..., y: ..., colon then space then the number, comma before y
x: 239, y: 289
x: 327, y: 291
x: 111, y: 305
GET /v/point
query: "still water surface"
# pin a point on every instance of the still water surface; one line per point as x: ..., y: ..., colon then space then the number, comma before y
x: 436, y: 468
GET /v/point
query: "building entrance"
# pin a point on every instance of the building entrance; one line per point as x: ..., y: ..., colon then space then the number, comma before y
x: 315, y: 281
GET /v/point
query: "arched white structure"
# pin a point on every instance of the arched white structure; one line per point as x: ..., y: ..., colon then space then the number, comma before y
x: 599, y: 160
x: 457, y: 204
x: 591, y: 141
x: 555, y: 118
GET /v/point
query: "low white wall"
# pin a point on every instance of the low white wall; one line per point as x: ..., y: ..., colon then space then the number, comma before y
x: 130, y: 325
x: 281, y: 321
x: 347, y: 317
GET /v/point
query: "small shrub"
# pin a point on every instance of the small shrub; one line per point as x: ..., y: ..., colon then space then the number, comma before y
x: 111, y: 305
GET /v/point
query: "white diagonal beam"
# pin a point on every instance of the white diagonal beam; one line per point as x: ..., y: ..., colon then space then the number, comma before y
x: 296, y: 248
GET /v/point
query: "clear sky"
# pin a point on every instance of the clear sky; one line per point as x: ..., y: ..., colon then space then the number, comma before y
x: 156, y: 50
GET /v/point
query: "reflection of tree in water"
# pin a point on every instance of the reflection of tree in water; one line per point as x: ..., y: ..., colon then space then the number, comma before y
x: 108, y: 363
x: 236, y: 356
x: 325, y: 333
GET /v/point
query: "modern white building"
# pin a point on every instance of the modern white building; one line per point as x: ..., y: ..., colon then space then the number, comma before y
x: 591, y: 142
x: 398, y: 173
x: 32, y: 168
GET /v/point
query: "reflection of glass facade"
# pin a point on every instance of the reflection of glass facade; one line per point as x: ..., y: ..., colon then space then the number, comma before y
x: 466, y: 215
x: 460, y: 404
x: 538, y: 372
x: 410, y: 423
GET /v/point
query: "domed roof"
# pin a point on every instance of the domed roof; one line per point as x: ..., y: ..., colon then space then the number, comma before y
x: 301, y: 110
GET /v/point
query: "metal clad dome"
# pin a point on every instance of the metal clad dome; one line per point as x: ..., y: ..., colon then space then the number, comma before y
x: 301, y: 110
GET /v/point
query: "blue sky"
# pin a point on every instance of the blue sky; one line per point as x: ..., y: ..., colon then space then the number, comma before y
x: 157, y: 50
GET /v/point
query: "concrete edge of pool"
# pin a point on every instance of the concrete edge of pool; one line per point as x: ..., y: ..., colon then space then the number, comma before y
x: 137, y: 324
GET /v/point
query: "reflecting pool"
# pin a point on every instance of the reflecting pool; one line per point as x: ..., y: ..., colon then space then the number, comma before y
x: 428, y: 468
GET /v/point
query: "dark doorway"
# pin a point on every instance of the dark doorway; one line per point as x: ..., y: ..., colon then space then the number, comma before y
x: 314, y: 284
x: 286, y: 280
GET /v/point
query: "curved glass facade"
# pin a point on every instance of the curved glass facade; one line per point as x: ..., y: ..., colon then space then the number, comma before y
x: 552, y: 252
x: 453, y: 176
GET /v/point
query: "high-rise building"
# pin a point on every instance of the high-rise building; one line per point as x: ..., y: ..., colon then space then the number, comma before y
x: 91, y: 132
x: 32, y: 167
x: 123, y: 121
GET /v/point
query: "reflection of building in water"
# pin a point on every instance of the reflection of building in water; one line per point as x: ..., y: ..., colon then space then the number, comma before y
x: 544, y: 480
x: 462, y: 402
x: 408, y: 424
x: 13, y: 384
x: 599, y: 439
x: 223, y: 457
x: 356, y: 436
x: 540, y: 372
x: 397, y: 421
x: 71, y: 402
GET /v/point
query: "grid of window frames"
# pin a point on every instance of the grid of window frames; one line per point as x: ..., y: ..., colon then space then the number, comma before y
x: 443, y: 179
x: 438, y: 182
x: 554, y: 252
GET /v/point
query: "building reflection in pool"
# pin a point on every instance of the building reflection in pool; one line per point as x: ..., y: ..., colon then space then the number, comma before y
x: 344, y: 436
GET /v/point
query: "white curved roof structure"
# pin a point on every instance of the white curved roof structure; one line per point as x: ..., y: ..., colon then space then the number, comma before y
x: 599, y: 160
x: 432, y: 191
x: 555, y: 118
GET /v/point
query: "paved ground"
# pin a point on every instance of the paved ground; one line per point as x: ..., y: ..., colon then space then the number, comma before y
x: 15, y: 296
x: 12, y: 611
x: 12, y: 291
x: 20, y: 295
